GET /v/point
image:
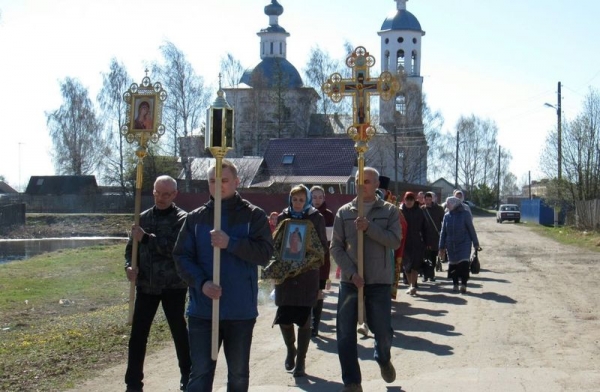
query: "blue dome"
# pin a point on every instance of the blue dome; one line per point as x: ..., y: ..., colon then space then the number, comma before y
x: 270, y: 68
x: 401, y: 20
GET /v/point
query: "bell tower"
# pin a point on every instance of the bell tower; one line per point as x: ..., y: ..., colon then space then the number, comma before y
x: 402, y: 117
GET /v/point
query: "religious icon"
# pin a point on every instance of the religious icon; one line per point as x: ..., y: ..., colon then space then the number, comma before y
x: 144, y: 113
x: 294, y: 243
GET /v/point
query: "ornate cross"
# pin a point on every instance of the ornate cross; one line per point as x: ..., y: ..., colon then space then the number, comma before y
x: 360, y: 88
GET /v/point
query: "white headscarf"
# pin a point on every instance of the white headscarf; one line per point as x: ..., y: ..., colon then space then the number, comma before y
x: 452, y: 202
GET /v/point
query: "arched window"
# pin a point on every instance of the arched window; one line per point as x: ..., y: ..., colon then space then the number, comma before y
x: 386, y: 64
x: 413, y: 63
x: 271, y: 47
x: 400, y: 61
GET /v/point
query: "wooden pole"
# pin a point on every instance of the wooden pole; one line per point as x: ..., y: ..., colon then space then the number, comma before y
x: 141, y: 153
x: 360, y: 234
x: 216, y: 259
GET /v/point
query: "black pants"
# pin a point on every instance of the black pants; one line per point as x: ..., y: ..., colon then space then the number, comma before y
x: 146, y: 305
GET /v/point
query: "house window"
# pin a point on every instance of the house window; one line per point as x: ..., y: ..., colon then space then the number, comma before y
x: 287, y: 159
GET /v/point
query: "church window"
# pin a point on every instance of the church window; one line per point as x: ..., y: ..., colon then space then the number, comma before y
x: 271, y: 47
x: 400, y: 39
x: 401, y: 104
x: 281, y: 48
x: 414, y: 40
x: 400, y: 61
x: 287, y: 159
x: 387, y: 40
x: 413, y: 63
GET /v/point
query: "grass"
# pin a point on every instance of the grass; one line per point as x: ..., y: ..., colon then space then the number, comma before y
x: 568, y: 235
x: 63, y: 317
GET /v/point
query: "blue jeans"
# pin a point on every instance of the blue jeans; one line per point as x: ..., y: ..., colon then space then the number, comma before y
x: 236, y: 338
x: 378, y: 308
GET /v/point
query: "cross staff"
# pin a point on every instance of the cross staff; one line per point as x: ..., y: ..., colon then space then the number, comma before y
x: 151, y: 96
x: 360, y: 87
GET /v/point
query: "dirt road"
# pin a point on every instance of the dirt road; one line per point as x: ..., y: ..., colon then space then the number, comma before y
x: 530, y: 322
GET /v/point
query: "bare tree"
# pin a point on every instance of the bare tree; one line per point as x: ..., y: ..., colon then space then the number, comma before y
x: 319, y: 68
x: 476, y: 151
x: 114, y: 112
x: 184, y: 110
x: 580, y: 153
x: 76, y: 132
x: 231, y: 70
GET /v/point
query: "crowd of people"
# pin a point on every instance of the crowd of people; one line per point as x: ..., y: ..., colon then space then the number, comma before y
x: 176, y: 259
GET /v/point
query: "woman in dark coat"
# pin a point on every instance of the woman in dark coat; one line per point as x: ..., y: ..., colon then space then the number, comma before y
x: 296, y: 296
x: 414, y: 249
x: 456, y: 238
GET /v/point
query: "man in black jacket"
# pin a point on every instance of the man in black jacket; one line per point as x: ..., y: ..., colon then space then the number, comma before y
x: 157, y: 282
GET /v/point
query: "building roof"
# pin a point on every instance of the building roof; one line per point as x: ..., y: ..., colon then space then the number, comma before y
x: 401, y: 19
x: 309, y: 160
x: 61, y: 185
x: 5, y: 188
x: 275, y: 71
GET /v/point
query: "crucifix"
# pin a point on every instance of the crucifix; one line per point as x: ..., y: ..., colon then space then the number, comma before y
x: 360, y: 87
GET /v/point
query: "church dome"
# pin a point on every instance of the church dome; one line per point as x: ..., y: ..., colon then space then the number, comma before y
x: 274, y: 8
x: 401, y: 20
x: 275, y: 70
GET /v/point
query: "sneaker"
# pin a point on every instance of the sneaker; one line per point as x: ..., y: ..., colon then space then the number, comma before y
x: 388, y: 373
x: 314, y: 333
x: 433, y: 279
x: 413, y: 291
x: 463, y: 289
x: 363, y: 329
x: 408, y: 291
x: 130, y: 389
x: 352, y: 388
x: 455, y: 288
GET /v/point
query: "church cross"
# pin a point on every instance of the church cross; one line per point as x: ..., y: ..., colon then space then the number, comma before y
x: 360, y: 87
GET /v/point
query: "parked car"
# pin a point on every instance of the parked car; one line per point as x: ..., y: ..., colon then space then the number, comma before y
x: 508, y: 212
x: 471, y: 204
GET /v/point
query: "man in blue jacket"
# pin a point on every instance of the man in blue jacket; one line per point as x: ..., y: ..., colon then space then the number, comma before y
x: 245, y: 242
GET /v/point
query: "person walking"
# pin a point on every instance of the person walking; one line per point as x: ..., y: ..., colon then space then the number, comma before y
x: 414, y: 249
x: 157, y: 282
x: 456, y: 238
x: 434, y: 215
x: 380, y: 227
x: 296, y: 296
x: 245, y: 242
x: 317, y: 194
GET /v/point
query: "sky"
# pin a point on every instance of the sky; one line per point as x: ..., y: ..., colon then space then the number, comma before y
x: 497, y: 59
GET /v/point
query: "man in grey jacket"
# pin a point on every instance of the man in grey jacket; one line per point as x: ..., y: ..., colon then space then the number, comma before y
x: 380, y: 227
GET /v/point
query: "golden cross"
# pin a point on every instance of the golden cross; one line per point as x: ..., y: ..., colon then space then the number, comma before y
x: 360, y: 87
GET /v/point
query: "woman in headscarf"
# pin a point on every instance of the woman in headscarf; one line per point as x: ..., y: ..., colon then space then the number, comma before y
x: 456, y: 238
x: 296, y: 296
x: 414, y: 248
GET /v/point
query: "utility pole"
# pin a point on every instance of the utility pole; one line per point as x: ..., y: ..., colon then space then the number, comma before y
x: 456, y: 169
x: 498, y: 194
x: 558, y: 114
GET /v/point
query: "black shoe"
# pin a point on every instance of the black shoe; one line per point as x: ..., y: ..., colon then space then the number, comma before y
x: 388, y: 373
x: 314, y: 333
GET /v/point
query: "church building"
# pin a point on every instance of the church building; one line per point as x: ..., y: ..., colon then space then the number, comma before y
x: 271, y: 101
